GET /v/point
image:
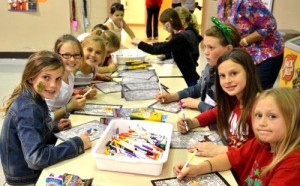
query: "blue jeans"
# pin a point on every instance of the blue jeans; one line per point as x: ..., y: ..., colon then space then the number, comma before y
x: 268, y: 70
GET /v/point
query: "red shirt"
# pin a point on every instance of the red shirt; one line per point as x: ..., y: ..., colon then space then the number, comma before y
x: 252, y: 156
x: 150, y: 3
x: 234, y: 140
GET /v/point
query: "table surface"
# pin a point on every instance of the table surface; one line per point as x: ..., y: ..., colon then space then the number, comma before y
x: 85, y: 164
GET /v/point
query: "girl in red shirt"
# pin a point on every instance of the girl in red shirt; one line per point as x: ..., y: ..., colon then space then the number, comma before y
x: 236, y: 88
x: 273, y: 156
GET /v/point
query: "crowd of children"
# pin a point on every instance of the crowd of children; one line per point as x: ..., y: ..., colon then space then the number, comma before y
x: 261, y: 129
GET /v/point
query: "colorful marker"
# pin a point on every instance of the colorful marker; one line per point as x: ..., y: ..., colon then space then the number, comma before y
x: 183, y: 116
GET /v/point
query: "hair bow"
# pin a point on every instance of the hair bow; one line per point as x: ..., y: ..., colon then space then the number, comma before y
x: 224, y: 29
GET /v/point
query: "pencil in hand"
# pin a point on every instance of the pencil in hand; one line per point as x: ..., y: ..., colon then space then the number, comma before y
x: 85, y: 94
x: 183, y: 116
x: 161, y: 92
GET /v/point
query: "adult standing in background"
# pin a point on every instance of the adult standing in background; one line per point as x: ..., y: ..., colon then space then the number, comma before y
x: 153, y: 7
x: 260, y: 37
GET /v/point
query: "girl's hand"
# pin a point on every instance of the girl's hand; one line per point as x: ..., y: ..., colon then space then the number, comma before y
x: 207, y: 149
x: 77, y: 102
x: 166, y: 97
x: 103, y: 77
x: 90, y: 95
x: 188, y: 172
x: 64, y: 124
x: 136, y: 41
x: 86, y: 141
x: 181, y: 125
x: 190, y: 103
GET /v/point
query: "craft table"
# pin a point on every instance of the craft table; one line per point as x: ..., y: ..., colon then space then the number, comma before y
x: 85, y: 164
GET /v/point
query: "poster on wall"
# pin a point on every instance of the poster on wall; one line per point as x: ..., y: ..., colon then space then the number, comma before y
x: 22, y: 5
x: 268, y: 4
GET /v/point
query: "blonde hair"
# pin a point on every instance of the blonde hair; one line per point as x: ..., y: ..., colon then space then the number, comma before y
x: 190, y: 19
x: 288, y: 101
x: 110, y: 37
x: 37, y: 63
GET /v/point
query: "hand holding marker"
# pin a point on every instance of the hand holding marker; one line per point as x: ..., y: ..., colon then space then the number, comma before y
x: 85, y: 94
x: 183, y: 116
x: 188, y: 161
x: 160, y: 89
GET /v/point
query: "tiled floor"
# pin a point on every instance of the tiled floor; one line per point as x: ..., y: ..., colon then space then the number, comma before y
x: 11, y: 72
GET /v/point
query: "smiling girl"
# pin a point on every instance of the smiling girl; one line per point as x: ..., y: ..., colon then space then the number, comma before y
x: 26, y: 144
x: 236, y: 88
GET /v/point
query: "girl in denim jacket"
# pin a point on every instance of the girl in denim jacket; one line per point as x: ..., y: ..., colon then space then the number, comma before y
x: 27, y: 141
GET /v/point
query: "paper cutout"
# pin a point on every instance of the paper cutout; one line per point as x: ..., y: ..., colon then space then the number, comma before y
x: 98, y: 109
x: 182, y: 141
x: 93, y: 128
x: 109, y: 87
x: 168, y: 107
x: 212, y: 179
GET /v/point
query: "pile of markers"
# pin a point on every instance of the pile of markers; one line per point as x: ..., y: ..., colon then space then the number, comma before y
x: 138, y: 143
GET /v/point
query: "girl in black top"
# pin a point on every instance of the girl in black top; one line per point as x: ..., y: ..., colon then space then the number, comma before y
x: 180, y: 46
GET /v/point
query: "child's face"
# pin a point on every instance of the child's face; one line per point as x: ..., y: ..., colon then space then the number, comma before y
x: 47, y: 84
x: 213, y: 49
x: 71, y: 56
x: 268, y: 122
x: 94, y: 54
x: 233, y: 78
x: 118, y: 16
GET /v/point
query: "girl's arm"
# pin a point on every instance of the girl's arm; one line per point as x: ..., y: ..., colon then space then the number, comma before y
x: 109, y: 25
x: 107, y: 69
x: 128, y: 30
x: 215, y: 164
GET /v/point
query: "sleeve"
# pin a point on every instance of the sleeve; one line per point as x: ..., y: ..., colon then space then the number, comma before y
x: 193, y: 91
x: 208, y: 117
x: 260, y: 17
x: 31, y: 130
x: 287, y: 171
x: 238, y: 157
x: 164, y: 47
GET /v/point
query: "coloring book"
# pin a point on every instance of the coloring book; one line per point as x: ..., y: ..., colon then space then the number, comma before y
x: 98, y: 109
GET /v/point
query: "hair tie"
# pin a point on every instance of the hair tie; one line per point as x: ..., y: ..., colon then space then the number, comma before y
x: 224, y: 29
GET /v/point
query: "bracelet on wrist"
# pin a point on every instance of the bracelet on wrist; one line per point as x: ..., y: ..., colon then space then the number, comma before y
x: 210, y: 166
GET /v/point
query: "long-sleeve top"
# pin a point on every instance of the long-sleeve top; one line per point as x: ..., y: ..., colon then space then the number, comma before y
x: 249, y: 16
x: 234, y: 140
x: 249, y: 160
x: 181, y: 47
x: 26, y: 141
x: 204, y: 89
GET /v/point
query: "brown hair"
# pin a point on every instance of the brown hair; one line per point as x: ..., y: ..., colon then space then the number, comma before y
x: 37, y: 63
x: 225, y: 102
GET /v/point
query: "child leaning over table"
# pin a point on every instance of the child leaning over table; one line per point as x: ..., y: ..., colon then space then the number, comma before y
x: 273, y: 156
x: 181, y: 46
x: 26, y: 141
x: 237, y: 86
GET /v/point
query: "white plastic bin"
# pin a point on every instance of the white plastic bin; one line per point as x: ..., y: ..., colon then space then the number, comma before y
x: 127, y: 164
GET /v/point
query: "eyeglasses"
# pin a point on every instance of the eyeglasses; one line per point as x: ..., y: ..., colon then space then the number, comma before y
x: 69, y: 56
